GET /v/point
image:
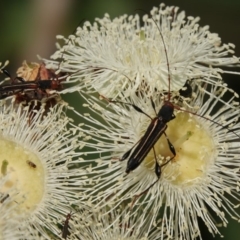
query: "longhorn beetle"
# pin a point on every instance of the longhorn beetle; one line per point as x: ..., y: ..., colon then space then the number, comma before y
x: 34, y: 93
x: 41, y: 83
x: 155, y: 130
x: 34, y: 85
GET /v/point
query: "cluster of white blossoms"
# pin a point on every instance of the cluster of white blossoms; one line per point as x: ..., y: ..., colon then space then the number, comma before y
x: 157, y: 147
x: 172, y: 173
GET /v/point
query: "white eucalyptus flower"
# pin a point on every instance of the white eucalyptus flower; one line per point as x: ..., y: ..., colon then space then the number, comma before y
x: 202, y: 177
x: 112, y: 56
x: 37, y: 181
x: 117, y: 225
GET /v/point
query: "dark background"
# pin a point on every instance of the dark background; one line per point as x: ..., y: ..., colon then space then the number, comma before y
x: 29, y: 28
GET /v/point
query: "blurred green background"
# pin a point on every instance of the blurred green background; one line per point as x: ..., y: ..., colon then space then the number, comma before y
x: 29, y: 28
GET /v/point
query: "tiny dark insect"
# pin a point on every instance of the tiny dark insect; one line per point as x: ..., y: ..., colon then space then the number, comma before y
x: 4, y: 198
x: 31, y: 164
x: 65, y: 228
x: 65, y: 231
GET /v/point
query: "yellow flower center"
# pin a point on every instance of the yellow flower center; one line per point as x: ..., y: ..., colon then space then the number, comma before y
x: 194, y: 150
x: 22, y: 171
